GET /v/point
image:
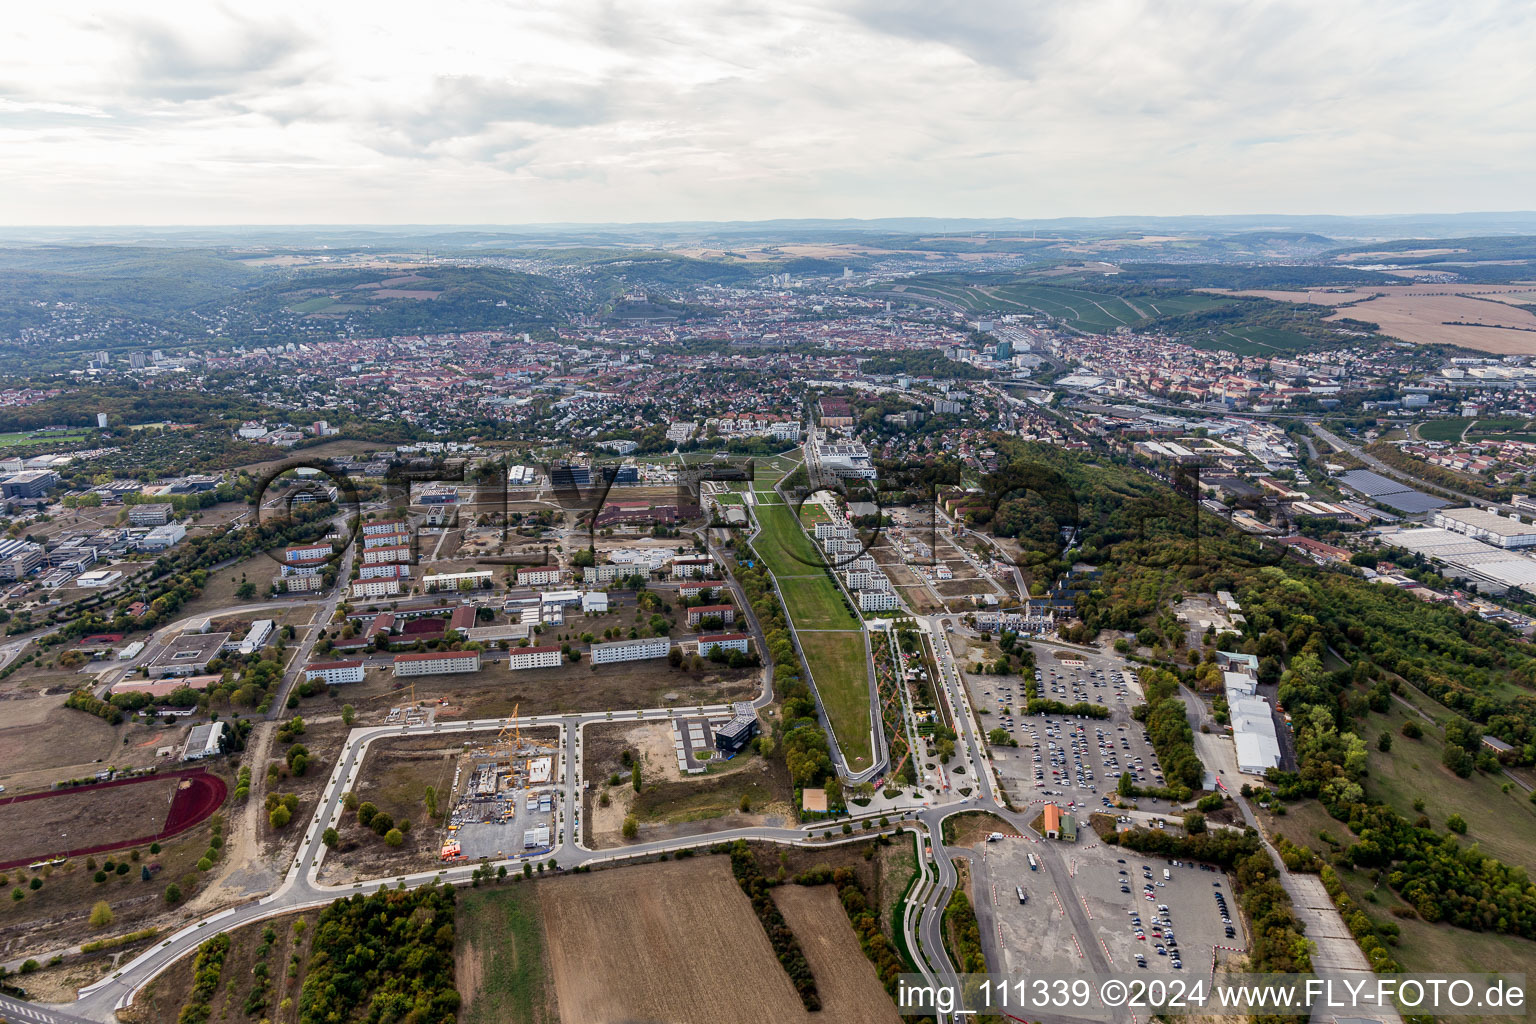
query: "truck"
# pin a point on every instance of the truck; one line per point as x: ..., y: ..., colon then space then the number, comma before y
x: 1034, y: 865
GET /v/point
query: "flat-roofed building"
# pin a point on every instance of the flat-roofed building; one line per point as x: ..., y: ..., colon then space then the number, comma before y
x: 376, y: 588
x: 205, y: 740
x: 157, y: 514
x: 187, y: 655
x: 701, y: 565
x: 538, y: 576
x: 456, y: 580
x: 1489, y: 527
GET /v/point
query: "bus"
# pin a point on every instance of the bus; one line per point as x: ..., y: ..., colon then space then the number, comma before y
x: 1034, y: 865
x: 1023, y: 898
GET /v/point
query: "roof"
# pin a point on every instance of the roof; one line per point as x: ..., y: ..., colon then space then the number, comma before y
x: 435, y: 655
x: 1052, y: 818
x: 533, y: 650
x: 706, y: 608
x: 715, y: 638
x: 318, y: 666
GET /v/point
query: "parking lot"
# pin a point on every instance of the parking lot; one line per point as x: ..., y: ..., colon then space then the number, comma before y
x: 1076, y: 762
x: 1183, y: 917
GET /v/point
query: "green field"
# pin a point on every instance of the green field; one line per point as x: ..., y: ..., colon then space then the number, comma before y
x: 841, y: 670
x: 24, y: 438
x: 783, y: 545
x: 1444, y: 430
x: 815, y: 602
x: 499, y: 929
x: 1256, y: 341
x: 1503, y: 824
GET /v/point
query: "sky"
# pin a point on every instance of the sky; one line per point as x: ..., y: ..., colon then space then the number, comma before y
x: 476, y: 112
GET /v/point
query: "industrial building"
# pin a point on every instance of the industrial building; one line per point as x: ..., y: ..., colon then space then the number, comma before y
x: 150, y: 515
x: 205, y: 740
x: 1489, y: 527
x: 1252, y: 718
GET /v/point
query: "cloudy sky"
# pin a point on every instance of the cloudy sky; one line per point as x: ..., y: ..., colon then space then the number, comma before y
x: 469, y: 111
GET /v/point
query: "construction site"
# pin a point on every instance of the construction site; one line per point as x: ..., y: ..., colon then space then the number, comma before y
x: 505, y: 797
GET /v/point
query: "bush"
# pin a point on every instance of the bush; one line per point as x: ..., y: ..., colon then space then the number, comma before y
x: 394, y: 837
x: 366, y: 813
x: 99, y: 877
x: 1456, y: 823
x: 1412, y: 729
x: 631, y: 826
x: 1194, y: 823
x: 173, y: 894
x: 205, y: 865
x: 381, y: 823
x: 330, y: 837
x: 101, y: 914
x: 279, y: 816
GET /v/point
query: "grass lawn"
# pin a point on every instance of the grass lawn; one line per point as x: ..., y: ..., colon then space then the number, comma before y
x: 814, y: 602
x: 1444, y: 430
x: 24, y: 438
x: 500, y: 944
x: 1503, y: 824
x: 714, y: 795
x: 783, y: 545
x: 812, y: 513
x: 841, y: 671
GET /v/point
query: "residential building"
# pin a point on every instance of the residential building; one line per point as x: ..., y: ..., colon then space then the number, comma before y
x: 456, y: 581
x: 877, y: 601
x: 724, y: 641
x: 437, y: 663
x: 683, y: 567
x: 534, y: 657
x: 724, y: 612
x: 334, y: 673
x: 631, y: 650
x: 538, y: 576
x: 376, y: 587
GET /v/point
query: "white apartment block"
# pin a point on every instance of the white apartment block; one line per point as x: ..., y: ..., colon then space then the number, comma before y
x: 683, y: 568
x: 456, y: 581
x: 380, y: 556
x: 298, y: 584
x: 609, y: 573
x: 307, y: 553
x: 334, y: 673
x: 538, y: 576
x: 533, y: 657
x: 389, y: 571
x: 386, y: 540
x: 830, y: 531
x: 724, y: 641
x: 378, y: 529
x: 375, y: 588
x: 631, y: 650
x: 437, y: 663
x: 877, y: 601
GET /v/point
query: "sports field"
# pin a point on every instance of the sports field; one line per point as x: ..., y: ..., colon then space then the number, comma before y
x: 841, y: 670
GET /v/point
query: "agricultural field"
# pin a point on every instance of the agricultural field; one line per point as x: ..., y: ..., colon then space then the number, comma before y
x: 1485, y: 318
x: 840, y: 666
x: 1254, y: 340
x: 845, y: 980
x: 500, y: 961
x: 655, y: 942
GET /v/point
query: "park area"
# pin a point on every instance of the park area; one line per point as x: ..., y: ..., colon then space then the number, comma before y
x: 106, y: 816
x: 840, y: 668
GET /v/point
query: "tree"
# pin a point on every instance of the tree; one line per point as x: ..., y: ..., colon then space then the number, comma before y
x: 279, y: 816
x: 1384, y: 741
x: 366, y: 813
x: 634, y: 776
x: 1412, y: 729
x: 1194, y: 823
x: 246, y: 590
x: 631, y: 826
x: 430, y: 799
x: 347, y: 715
x: 101, y: 914
x: 394, y: 837
x: 173, y: 894
x: 330, y: 837
x: 1456, y: 823
x: 746, y: 803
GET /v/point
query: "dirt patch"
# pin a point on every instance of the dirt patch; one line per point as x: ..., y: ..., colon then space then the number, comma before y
x: 658, y: 942
x: 845, y: 979
x: 107, y: 816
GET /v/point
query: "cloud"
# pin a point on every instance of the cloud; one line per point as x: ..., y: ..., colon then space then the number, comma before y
x: 489, y: 110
